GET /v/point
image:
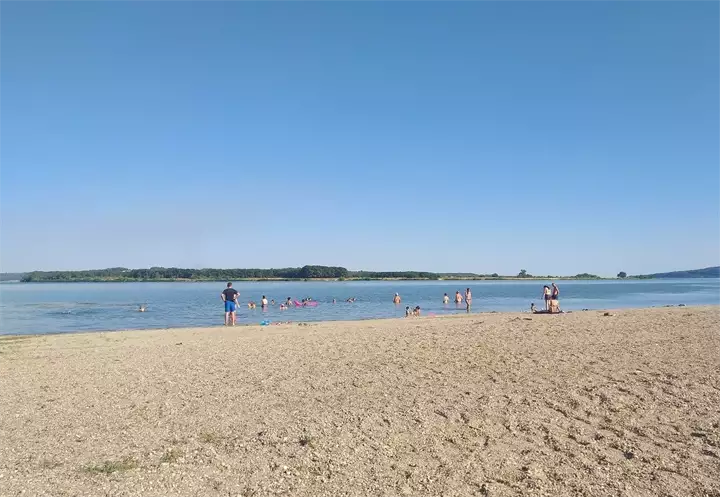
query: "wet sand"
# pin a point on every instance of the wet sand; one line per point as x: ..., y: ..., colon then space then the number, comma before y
x: 485, y: 404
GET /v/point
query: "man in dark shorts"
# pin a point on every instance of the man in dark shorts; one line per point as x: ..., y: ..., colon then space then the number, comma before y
x: 229, y: 296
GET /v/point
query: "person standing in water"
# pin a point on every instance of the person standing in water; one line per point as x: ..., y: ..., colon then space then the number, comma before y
x: 446, y: 299
x: 468, y: 299
x: 397, y: 299
x: 229, y: 297
x: 458, y: 297
x: 264, y: 302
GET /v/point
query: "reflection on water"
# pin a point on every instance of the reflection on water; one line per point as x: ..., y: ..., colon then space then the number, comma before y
x: 67, y: 307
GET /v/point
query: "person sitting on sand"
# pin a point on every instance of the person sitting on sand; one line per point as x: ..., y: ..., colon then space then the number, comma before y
x: 547, y: 297
x: 458, y: 297
x: 532, y: 308
x: 416, y: 311
x: 407, y: 311
x: 446, y: 299
x: 396, y: 299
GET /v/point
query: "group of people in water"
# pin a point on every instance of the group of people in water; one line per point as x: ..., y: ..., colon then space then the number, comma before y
x: 229, y: 296
x: 446, y: 300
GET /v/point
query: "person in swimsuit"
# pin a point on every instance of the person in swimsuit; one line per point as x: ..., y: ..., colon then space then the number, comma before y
x: 468, y: 299
x: 446, y: 299
x: 555, y: 299
x: 396, y: 299
x: 547, y: 296
x: 229, y: 297
x: 458, y: 297
x: 264, y: 302
x: 407, y: 311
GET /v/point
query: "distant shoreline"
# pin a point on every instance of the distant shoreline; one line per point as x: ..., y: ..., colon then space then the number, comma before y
x: 320, y: 280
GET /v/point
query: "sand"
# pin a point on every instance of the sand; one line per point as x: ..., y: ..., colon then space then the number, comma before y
x: 485, y: 404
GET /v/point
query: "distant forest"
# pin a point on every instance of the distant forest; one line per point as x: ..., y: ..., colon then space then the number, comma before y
x: 301, y: 273
x: 304, y: 273
x: 172, y: 273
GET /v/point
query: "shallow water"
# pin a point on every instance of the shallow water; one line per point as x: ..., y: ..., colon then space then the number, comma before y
x: 66, y: 307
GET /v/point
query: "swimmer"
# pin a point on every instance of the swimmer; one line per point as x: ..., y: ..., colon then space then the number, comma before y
x: 142, y: 308
x: 251, y: 305
x: 446, y: 299
x: 458, y: 297
x: 283, y: 307
x: 272, y: 302
x: 334, y: 301
x: 288, y: 302
x: 264, y: 302
x: 396, y: 299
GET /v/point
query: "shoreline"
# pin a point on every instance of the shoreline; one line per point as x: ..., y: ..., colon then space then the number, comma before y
x: 328, y: 280
x: 373, y: 320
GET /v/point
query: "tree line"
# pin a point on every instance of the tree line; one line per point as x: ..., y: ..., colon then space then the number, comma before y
x: 173, y: 273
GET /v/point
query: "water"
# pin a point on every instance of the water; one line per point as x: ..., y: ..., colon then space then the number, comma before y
x: 27, y: 308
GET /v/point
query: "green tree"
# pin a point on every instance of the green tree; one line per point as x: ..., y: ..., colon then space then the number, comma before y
x: 523, y: 273
x: 622, y: 274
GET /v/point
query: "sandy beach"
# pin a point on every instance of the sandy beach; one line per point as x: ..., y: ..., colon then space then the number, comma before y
x: 487, y: 404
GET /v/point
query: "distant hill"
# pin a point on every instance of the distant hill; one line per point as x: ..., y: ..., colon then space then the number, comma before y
x: 708, y: 272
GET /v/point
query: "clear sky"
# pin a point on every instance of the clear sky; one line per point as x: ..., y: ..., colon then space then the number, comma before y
x: 557, y: 137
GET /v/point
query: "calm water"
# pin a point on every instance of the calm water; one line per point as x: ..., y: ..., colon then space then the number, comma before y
x: 66, y: 307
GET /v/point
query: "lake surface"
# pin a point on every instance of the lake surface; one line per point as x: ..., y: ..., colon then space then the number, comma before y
x: 27, y: 308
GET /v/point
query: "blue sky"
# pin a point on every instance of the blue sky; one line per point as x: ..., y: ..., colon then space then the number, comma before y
x: 557, y: 137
